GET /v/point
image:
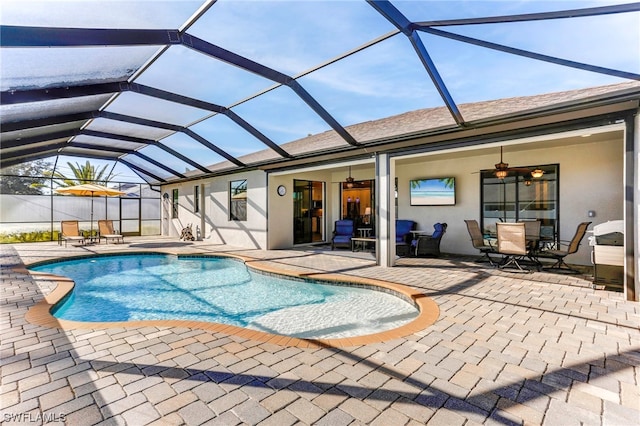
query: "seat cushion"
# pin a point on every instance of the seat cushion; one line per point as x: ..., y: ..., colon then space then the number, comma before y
x: 344, y: 227
x: 342, y: 239
x: 439, y: 229
x: 403, y: 227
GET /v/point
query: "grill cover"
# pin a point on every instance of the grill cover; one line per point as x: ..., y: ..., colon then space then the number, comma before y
x: 609, y: 233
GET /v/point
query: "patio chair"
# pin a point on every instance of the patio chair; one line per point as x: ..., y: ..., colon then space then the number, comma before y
x: 512, y: 243
x: 342, y: 233
x: 532, y: 233
x: 403, y: 236
x: 532, y: 230
x: 106, y: 231
x: 70, y: 231
x: 478, y: 241
x: 429, y: 245
x: 559, y: 255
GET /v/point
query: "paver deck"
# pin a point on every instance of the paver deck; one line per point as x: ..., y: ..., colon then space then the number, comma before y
x: 506, y: 349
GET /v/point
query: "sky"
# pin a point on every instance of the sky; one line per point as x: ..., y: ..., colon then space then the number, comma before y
x: 296, y: 37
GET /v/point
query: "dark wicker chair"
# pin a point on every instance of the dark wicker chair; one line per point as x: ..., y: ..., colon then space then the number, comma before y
x: 403, y: 236
x: 429, y: 245
x: 342, y: 233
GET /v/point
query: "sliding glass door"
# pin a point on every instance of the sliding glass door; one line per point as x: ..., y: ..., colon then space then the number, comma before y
x: 308, y: 217
x: 358, y: 203
x: 520, y: 197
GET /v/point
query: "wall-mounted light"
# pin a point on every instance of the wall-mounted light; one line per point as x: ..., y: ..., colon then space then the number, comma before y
x: 165, y: 195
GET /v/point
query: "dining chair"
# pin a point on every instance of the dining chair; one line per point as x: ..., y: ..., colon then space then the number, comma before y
x: 512, y: 243
x: 532, y: 232
x: 559, y: 254
x: 478, y: 242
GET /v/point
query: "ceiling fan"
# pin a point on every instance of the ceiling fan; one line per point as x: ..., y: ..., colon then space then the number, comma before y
x: 502, y: 169
x: 350, y: 180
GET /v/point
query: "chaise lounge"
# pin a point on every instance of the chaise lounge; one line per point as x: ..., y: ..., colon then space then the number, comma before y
x: 70, y: 231
x: 106, y: 231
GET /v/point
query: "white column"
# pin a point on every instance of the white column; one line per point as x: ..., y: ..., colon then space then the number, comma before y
x: 632, y: 209
x: 203, y: 222
x: 385, y: 210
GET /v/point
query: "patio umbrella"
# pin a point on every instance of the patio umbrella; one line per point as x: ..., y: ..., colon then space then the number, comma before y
x: 91, y: 190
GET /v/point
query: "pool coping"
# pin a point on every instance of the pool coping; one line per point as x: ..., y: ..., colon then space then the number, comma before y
x: 40, y: 313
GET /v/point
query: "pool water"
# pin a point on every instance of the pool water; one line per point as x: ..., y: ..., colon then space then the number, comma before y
x: 221, y: 290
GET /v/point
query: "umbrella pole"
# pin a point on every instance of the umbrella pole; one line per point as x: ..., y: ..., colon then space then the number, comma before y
x: 91, y: 226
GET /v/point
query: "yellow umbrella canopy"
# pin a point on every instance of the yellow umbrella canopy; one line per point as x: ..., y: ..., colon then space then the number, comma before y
x: 91, y: 190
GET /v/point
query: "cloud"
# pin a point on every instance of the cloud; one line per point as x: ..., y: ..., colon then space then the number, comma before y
x: 98, y: 13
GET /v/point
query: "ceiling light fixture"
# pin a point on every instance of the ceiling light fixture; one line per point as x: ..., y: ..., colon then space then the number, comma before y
x: 350, y: 180
x: 537, y: 173
x: 501, y: 174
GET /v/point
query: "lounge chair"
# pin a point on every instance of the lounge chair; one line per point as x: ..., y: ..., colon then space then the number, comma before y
x: 429, y: 245
x: 477, y: 239
x: 70, y: 231
x: 106, y: 231
x: 572, y: 247
x: 342, y: 233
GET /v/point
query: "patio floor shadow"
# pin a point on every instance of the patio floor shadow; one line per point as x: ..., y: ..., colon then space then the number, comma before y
x: 540, y: 349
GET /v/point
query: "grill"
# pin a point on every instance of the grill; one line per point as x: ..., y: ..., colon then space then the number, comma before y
x: 608, y: 254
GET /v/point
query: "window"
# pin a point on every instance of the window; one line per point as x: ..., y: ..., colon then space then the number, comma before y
x: 238, y: 200
x: 519, y: 197
x: 196, y: 199
x: 174, y: 204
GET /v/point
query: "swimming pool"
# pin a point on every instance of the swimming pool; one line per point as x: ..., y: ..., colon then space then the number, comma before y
x: 222, y: 290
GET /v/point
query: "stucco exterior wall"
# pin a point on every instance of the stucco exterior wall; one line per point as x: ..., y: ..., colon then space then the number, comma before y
x: 281, y: 207
x: 213, y: 218
x: 591, y: 178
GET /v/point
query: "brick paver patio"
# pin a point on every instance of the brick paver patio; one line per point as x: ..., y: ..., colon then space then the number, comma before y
x: 506, y: 349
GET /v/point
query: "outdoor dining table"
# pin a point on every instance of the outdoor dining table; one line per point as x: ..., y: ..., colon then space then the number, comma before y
x: 533, y: 248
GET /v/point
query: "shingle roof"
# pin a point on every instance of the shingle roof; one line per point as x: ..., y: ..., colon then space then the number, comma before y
x: 432, y: 119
